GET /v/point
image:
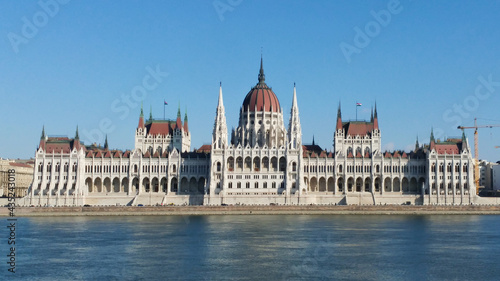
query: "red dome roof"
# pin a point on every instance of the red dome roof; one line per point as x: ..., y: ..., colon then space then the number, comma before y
x: 261, y: 97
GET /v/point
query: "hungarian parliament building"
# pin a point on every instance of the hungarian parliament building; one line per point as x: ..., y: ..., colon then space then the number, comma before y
x: 261, y: 162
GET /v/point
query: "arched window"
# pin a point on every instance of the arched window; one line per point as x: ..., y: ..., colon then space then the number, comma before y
x: 218, y: 167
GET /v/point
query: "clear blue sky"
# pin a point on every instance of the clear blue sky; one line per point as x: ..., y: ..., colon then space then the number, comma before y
x: 75, y: 62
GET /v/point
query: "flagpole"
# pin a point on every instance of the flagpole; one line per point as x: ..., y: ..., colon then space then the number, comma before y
x: 164, y: 110
x: 356, y: 110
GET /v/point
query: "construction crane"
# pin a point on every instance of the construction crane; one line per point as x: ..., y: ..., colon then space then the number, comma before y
x: 476, y: 144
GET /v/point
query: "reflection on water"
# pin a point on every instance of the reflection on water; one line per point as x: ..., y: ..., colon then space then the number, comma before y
x: 304, y: 247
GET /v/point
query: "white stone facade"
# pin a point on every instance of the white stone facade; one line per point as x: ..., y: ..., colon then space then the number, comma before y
x: 265, y: 162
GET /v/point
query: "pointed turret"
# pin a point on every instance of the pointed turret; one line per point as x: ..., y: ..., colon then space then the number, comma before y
x: 432, y: 142
x: 375, y: 118
x: 219, y: 135
x: 313, y: 141
x: 186, y: 127
x: 151, y: 113
x: 43, y: 132
x: 294, y: 127
x: 42, y: 139
x: 106, y: 143
x: 465, y: 143
x: 178, y: 122
x: 371, y: 116
x: 339, y: 119
x: 141, y: 119
x: 76, y: 143
x: 417, y: 145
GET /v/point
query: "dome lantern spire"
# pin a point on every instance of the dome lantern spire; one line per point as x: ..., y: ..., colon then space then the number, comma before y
x: 262, y: 76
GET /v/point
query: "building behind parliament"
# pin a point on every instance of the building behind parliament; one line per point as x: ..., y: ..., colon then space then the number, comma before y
x: 261, y: 162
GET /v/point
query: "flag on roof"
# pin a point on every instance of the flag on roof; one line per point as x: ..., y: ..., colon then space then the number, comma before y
x: 165, y: 102
x: 358, y: 104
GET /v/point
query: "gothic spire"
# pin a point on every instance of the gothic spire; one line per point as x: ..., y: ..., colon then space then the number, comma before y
x: 220, y: 103
x: 219, y: 135
x: 186, y: 128
x: 262, y: 77
x: 43, y: 132
x: 106, y: 143
x: 294, y: 129
x: 151, y: 113
x: 339, y: 119
x: 77, y: 137
x: 178, y: 121
x: 141, y: 119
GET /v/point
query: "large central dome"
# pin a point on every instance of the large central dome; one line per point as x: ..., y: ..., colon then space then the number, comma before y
x: 261, y: 97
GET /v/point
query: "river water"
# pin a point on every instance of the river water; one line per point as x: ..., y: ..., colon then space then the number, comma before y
x: 256, y: 247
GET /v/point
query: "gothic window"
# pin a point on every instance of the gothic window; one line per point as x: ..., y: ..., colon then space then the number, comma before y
x: 239, y: 163
x: 282, y: 164
x: 230, y: 164
x: 218, y: 167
